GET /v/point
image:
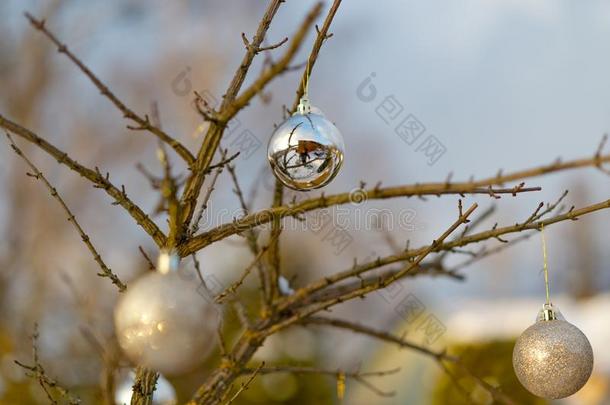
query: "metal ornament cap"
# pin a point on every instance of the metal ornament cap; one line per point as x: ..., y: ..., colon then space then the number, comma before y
x: 549, y: 312
x: 168, y: 261
x: 306, y: 151
x: 552, y: 358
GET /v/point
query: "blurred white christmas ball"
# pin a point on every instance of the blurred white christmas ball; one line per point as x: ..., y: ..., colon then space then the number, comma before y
x: 165, y: 322
x: 552, y: 358
x: 306, y: 151
x: 164, y: 394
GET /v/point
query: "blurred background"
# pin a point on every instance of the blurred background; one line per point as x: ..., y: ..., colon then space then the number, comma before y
x: 508, y: 84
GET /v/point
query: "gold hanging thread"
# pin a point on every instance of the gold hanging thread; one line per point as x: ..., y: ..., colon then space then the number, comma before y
x: 546, y: 267
x: 306, y: 78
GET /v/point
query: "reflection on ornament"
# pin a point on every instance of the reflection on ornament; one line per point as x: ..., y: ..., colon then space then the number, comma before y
x: 552, y: 358
x: 306, y: 151
x: 284, y: 286
x: 164, y: 322
x: 164, y: 394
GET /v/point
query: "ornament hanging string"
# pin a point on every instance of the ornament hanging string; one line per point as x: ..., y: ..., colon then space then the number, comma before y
x: 304, y: 107
x: 552, y: 359
x: 316, y: 155
x: 306, y: 79
x: 545, y: 266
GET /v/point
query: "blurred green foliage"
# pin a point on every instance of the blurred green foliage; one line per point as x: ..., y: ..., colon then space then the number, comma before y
x: 290, y: 389
x: 491, y: 361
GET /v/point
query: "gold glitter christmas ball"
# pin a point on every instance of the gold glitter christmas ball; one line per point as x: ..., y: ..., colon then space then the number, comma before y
x: 552, y: 358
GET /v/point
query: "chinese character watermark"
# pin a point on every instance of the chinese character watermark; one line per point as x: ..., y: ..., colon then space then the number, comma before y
x: 420, y: 325
x: 406, y: 125
x: 237, y: 135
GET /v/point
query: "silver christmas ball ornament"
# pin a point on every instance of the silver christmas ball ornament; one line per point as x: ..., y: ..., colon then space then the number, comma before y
x: 164, y: 321
x: 306, y: 151
x: 552, y: 358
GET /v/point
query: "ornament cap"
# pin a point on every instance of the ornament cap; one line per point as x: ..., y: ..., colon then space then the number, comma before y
x: 304, y: 106
x: 549, y: 313
x: 168, y: 261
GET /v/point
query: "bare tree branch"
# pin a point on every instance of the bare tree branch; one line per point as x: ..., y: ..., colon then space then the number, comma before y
x: 315, y: 51
x: 244, y: 386
x: 495, y: 232
x: 483, y: 186
x: 38, y: 373
x: 279, y: 311
x: 275, y: 69
x: 268, y: 215
x: 215, y: 131
x: 278, y: 195
x: 356, y: 375
x: 274, y: 272
x: 233, y: 287
x: 94, y: 176
x: 144, y: 386
x: 438, y: 356
x: 252, y: 238
x: 206, y: 199
x: 105, y: 270
x: 143, y: 122
x: 362, y: 291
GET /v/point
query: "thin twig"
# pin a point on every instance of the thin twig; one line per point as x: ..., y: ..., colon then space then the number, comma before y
x: 274, y: 268
x: 105, y: 270
x: 251, y: 235
x: 151, y: 265
x: 38, y: 373
x: 222, y: 344
x: 268, y: 215
x: 144, y: 123
x: 360, y: 292
x: 438, y: 356
x: 95, y: 176
x: 598, y: 155
x: 244, y: 386
x: 356, y: 376
x: 315, y: 51
x: 206, y: 198
x: 211, y: 141
x: 495, y: 232
x: 233, y: 287
x: 472, y: 187
x: 278, y: 195
x: 274, y: 70
x: 226, y: 161
x: 314, y: 370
